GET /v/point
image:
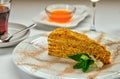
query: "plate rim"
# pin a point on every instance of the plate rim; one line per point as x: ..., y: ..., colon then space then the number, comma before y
x: 12, y: 43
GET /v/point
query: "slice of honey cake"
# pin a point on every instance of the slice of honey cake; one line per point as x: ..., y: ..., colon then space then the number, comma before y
x: 63, y: 41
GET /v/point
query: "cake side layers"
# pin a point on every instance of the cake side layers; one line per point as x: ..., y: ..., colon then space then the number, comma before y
x: 63, y: 41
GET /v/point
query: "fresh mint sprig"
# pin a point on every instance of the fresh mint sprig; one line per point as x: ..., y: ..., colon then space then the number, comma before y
x: 83, y: 61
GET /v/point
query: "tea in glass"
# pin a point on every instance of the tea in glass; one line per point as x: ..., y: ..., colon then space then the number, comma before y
x: 4, y: 16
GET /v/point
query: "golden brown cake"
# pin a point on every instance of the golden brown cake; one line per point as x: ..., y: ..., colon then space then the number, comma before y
x: 63, y: 41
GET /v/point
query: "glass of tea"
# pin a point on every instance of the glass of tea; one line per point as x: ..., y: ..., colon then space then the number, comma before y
x: 4, y: 16
x: 60, y: 13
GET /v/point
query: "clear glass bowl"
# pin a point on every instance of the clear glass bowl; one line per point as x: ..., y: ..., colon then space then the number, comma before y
x: 60, y: 13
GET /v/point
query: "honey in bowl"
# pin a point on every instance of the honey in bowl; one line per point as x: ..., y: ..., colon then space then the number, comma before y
x: 60, y: 16
x: 60, y: 13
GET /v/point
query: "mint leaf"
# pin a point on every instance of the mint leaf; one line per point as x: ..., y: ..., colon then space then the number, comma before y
x: 76, y: 57
x: 79, y: 65
x: 83, y: 61
x: 90, y: 61
x: 87, y: 65
x: 85, y: 57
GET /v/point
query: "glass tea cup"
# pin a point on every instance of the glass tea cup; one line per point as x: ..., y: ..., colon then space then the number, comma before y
x: 60, y: 13
x: 4, y: 16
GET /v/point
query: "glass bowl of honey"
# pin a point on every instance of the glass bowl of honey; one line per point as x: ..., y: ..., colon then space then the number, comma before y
x: 60, y: 13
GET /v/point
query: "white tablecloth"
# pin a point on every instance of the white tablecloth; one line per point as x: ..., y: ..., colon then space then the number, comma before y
x: 107, y: 20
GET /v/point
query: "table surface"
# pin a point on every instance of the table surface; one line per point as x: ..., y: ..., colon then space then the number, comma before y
x: 107, y: 20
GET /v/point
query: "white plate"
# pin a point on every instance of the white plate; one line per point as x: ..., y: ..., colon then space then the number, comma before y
x: 81, y: 12
x: 31, y: 56
x: 12, y: 28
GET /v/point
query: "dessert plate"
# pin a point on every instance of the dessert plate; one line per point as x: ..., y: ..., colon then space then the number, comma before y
x: 12, y: 28
x: 31, y: 56
x: 81, y: 13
